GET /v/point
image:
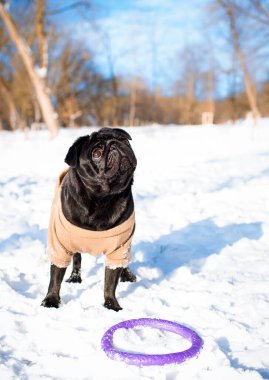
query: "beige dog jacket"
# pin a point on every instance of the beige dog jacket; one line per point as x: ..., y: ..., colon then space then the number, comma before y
x: 65, y: 239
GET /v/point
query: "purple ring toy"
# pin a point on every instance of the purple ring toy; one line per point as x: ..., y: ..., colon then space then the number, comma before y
x: 145, y: 359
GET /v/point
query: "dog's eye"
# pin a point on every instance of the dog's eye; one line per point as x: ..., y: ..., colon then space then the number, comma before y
x: 97, y: 153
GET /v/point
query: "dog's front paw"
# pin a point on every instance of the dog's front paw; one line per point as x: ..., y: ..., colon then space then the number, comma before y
x: 127, y: 276
x: 51, y: 301
x: 112, y: 303
x: 75, y: 278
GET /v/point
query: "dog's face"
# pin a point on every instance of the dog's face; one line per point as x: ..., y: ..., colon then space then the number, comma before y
x: 104, y: 161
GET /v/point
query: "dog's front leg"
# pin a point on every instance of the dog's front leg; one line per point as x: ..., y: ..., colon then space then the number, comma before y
x: 52, y: 298
x: 111, y: 281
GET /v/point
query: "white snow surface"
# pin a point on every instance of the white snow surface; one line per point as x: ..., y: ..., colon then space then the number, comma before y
x: 200, y: 253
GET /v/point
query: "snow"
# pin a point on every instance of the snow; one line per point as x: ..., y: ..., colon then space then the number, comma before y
x: 41, y: 72
x: 200, y: 253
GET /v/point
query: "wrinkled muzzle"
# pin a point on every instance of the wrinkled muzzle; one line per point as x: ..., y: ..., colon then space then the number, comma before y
x: 118, y: 160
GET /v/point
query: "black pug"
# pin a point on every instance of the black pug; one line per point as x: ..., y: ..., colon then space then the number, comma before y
x: 96, y: 195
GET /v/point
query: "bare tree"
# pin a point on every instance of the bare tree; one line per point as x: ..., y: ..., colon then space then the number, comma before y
x: 14, y: 117
x: 133, y: 95
x: 186, y: 85
x: 229, y: 11
x: 258, y: 10
x: 28, y: 60
x: 41, y: 36
x: 114, y: 80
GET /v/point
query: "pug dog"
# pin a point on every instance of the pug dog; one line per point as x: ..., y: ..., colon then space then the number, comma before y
x: 93, y: 210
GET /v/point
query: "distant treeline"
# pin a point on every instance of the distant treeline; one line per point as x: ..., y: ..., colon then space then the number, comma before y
x: 46, y: 76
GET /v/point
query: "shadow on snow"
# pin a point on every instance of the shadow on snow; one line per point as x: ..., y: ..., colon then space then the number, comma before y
x: 192, y: 245
x: 224, y: 346
x: 31, y: 233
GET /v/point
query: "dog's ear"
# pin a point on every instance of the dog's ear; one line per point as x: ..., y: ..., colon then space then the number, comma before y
x: 115, y: 133
x: 72, y: 156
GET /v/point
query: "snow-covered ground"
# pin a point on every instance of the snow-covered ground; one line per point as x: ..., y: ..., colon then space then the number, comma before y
x: 200, y: 252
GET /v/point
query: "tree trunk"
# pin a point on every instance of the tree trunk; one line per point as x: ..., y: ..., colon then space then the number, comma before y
x: 132, y: 103
x: 14, y: 117
x: 115, y: 101
x: 41, y: 37
x: 249, y: 85
x: 27, y: 58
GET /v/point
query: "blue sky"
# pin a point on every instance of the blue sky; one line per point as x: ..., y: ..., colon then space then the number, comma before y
x: 143, y: 38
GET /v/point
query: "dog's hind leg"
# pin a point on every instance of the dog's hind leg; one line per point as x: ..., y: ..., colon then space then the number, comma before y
x: 111, y: 281
x: 127, y: 275
x: 52, y: 298
x: 76, y: 271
